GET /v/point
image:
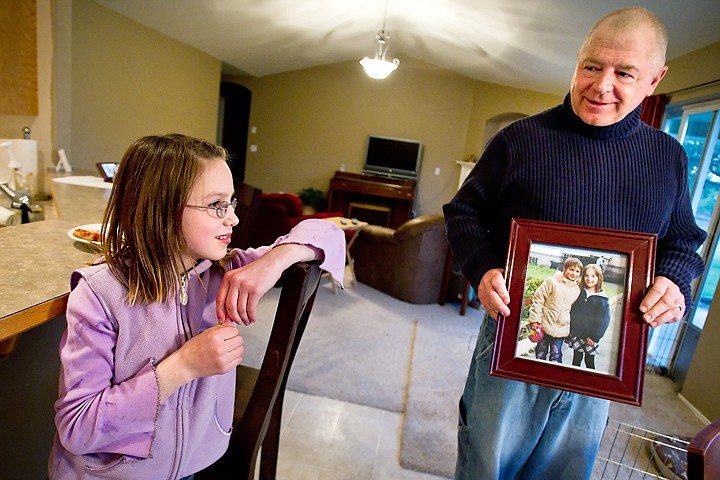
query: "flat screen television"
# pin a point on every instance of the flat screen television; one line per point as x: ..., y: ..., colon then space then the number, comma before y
x: 393, y: 157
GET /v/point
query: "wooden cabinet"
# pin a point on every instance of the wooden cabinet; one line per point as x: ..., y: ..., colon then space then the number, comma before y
x: 18, y: 57
x: 397, y: 197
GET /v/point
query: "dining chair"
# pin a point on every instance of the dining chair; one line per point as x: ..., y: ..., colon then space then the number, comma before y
x: 467, y: 296
x: 260, y: 393
x: 704, y: 453
x: 248, y: 204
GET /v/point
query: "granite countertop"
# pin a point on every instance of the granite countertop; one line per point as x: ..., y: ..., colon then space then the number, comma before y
x: 38, y: 258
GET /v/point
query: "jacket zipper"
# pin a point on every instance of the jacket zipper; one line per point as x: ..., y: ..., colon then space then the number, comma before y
x: 182, y: 392
x: 183, y: 302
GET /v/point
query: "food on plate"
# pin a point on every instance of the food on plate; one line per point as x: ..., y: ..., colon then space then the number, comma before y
x: 84, y: 234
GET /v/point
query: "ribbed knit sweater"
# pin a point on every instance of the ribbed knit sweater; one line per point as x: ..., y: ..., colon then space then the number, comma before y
x: 556, y: 168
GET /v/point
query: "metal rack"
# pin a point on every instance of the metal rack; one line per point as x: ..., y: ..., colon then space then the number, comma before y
x: 628, y: 452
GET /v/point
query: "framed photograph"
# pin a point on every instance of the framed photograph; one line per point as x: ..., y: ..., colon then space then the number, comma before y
x: 107, y: 170
x: 575, y: 322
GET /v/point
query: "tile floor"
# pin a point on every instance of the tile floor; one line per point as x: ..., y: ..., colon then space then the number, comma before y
x: 326, y: 439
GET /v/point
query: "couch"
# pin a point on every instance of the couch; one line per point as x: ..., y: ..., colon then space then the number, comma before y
x: 277, y: 215
x: 406, y: 263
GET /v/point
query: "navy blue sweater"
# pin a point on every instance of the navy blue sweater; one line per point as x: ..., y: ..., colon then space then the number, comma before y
x: 556, y: 168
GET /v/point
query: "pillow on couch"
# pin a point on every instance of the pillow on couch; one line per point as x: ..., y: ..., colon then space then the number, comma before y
x: 291, y: 202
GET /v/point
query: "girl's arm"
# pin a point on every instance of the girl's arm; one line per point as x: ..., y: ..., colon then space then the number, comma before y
x: 255, y: 271
x: 242, y: 288
x: 601, y: 320
x: 538, y: 302
x: 215, y: 351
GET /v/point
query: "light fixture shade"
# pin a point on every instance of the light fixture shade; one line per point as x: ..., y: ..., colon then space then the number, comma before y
x: 377, y: 68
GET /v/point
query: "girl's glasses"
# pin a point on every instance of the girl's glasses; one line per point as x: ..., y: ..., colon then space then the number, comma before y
x: 220, y: 208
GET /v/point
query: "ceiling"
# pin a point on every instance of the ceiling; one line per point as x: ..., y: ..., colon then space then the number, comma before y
x: 528, y: 44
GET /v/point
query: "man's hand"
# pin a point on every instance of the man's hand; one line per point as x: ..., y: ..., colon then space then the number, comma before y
x: 492, y: 293
x: 664, y: 303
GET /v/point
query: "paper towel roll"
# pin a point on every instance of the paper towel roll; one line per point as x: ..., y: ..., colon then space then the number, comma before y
x: 8, y: 217
x: 25, y: 152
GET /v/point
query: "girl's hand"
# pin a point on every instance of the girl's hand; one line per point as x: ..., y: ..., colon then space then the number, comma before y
x: 215, y: 351
x: 242, y: 288
x: 590, y: 342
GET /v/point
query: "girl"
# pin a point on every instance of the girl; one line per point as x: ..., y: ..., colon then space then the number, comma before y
x: 149, y: 353
x: 589, y: 317
x: 551, y: 309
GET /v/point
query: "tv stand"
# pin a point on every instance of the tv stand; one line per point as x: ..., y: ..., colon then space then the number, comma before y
x: 397, y: 195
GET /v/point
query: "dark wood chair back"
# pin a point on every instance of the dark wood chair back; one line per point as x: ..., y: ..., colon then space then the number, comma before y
x: 248, y: 204
x: 704, y: 453
x: 260, y: 393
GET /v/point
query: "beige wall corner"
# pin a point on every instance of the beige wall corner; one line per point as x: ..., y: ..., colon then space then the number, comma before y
x: 701, y: 387
x: 491, y: 100
x: 698, y: 68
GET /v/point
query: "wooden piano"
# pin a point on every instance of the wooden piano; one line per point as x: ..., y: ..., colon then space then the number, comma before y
x: 352, y: 192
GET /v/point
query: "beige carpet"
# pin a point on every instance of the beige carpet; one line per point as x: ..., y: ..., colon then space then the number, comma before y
x: 443, y: 349
x: 356, y: 347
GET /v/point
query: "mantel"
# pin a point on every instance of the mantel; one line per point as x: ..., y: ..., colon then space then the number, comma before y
x: 465, y: 168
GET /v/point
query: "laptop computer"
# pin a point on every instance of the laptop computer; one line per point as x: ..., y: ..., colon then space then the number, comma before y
x: 107, y: 170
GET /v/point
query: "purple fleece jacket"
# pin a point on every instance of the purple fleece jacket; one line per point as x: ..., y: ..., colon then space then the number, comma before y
x: 110, y: 422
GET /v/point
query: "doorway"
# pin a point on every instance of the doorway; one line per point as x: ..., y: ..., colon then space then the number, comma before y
x: 233, y: 125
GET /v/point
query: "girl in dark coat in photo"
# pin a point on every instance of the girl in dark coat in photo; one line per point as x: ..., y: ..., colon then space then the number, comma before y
x: 589, y: 317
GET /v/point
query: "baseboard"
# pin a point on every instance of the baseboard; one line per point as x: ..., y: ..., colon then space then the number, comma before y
x: 694, y: 410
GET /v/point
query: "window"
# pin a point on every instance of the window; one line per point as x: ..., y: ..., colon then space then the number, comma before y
x: 697, y: 128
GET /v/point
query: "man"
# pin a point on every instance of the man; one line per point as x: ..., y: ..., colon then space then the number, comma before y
x: 591, y: 162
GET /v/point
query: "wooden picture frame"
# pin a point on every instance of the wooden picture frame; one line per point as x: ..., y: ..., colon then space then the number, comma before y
x: 626, y: 263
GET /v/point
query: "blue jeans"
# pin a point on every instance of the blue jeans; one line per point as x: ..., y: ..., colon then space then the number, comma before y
x: 515, y: 430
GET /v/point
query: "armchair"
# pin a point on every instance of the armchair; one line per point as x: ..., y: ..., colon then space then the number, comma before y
x: 277, y: 215
x: 406, y: 263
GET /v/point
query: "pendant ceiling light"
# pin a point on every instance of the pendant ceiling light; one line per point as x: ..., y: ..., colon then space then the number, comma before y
x: 378, y: 67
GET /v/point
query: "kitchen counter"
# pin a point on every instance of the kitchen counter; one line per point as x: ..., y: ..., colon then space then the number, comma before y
x: 38, y: 258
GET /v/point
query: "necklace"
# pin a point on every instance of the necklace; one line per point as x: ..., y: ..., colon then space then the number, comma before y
x: 183, y: 289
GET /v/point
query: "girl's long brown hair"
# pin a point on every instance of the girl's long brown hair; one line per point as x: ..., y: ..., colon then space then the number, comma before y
x: 142, y: 225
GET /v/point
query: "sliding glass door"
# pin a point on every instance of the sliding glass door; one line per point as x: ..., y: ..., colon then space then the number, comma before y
x: 697, y: 128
